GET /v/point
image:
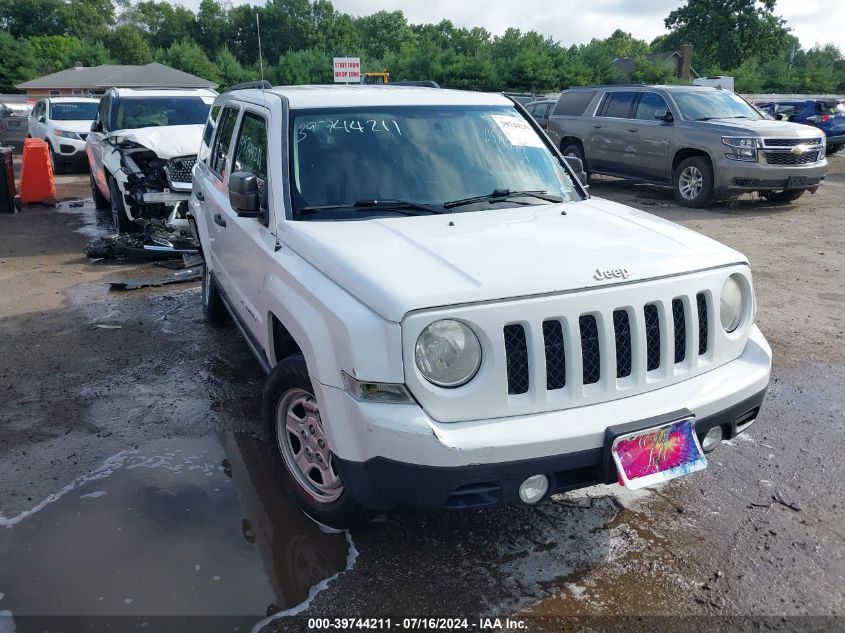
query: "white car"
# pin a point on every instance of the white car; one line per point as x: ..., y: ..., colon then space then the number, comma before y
x: 141, y: 149
x: 447, y: 318
x: 64, y: 122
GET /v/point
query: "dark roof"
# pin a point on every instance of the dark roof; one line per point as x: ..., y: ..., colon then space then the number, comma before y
x: 625, y: 65
x: 152, y: 75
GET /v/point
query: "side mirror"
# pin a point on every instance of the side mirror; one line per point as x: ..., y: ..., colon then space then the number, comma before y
x: 244, y: 196
x: 97, y: 126
x: 42, y: 118
x: 664, y: 115
x: 779, y: 117
x: 577, y: 165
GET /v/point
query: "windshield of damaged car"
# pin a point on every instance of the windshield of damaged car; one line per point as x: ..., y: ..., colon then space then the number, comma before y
x: 718, y: 104
x: 133, y: 113
x: 426, y: 155
x: 74, y: 111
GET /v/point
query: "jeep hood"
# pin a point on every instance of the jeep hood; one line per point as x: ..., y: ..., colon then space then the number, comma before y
x: 398, y: 264
x: 166, y: 141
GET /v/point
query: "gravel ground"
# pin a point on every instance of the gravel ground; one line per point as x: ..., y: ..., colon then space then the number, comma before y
x: 163, y: 383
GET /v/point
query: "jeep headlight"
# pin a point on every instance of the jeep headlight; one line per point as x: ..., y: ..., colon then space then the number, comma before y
x: 732, y: 302
x: 742, y: 147
x: 448, y: 353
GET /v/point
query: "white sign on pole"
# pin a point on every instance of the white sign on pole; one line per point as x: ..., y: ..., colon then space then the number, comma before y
x: 347, y: 70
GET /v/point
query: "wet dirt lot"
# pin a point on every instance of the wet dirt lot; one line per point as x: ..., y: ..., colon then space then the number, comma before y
x: 134, y: 492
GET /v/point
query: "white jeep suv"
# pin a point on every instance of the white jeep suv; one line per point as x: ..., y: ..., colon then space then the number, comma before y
x: 446, y: 317
x: 141, y: 150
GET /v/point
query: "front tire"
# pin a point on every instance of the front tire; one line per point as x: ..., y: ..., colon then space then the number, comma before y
x: 100, y: 201
x: 692, y: 182
x: 787, y: 195
x: 575, y: 150
x: 212, y: 303
x: 58, y: 167
x: 122, y: 223
x: 300, y: 446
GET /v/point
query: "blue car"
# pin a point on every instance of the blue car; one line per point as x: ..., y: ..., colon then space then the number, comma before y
x: 826, y: 114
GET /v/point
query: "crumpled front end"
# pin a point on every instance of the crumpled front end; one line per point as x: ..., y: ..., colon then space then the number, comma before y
x: 154, y: 187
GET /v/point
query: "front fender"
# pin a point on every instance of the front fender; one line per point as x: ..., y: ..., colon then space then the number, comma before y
x: 334, y: 330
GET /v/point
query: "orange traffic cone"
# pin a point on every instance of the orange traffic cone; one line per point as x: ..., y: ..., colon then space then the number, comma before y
x: 37, y: 184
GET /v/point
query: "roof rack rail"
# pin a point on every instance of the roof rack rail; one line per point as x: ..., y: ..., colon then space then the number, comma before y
x: 422, y: 83
x: 610, y: 86
x: 261, y: 84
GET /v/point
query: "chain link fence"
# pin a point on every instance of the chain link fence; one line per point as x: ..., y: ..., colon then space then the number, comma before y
x: 14, y: 124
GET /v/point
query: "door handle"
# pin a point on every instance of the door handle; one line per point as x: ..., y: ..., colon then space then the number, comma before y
x: 219, y: 221
x: 200, y: 197
x: 633, y: 129
x: 596, y: 125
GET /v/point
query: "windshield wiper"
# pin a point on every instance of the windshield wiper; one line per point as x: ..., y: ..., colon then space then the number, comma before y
x: 399, y: 206
x: 498, y: 195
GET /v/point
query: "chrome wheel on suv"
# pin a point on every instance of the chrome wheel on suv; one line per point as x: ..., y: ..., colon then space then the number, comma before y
x: 690, y: 183
x: 693, y: 182
x: 304, y: 447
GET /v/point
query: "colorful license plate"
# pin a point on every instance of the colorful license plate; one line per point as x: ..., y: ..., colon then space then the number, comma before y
x: 644, y: 458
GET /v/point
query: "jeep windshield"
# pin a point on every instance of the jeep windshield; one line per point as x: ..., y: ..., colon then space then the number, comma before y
x: 136, y: 112
x: 449, y: 158
x: 719, y: 104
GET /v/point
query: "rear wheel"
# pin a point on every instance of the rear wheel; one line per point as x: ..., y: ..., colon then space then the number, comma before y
x: 122, y: 223
x: 100, y: 200
x: 693, y: 182
x: 292, y: 416
x: 787, y: 195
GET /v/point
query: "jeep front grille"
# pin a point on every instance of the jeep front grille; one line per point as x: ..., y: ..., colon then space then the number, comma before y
x: 179, y: 169
x: 516, y: 350
x: 635, y: 340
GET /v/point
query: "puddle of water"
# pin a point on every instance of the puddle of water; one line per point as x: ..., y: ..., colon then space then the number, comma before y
x: 186, y: 527
x: 94, y: 223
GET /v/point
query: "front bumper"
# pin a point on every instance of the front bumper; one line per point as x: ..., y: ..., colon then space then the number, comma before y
x: 733, y: 177
x: 391, y: 455
x: 69, y: 150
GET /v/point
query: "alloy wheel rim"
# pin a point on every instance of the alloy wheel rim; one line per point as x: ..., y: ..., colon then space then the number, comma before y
x: 691, y: 182
x: 304, y: 446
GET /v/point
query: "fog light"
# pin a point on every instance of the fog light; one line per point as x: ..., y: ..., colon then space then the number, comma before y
x: 534, y: 488
x: 712, y: 439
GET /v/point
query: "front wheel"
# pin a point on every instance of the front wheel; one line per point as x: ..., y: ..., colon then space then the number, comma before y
x: 100, y: 201
x: 787, y: 195
x: 122, y: 223
x: 292, y: 416
x: 692, y: 182
x: 58, y: 167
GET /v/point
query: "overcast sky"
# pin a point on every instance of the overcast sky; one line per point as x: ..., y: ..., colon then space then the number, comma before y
x: 571, y: 22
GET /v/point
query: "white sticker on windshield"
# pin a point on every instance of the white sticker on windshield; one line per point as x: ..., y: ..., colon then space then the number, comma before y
x: 517, y: 131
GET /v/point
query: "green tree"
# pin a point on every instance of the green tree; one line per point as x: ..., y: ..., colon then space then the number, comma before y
x: 86, y: 19
x: 26, y: 18
x: 164, y: 24
x: 230, y: 70
x: 622, y: 44
x: 127, y: 45
x: 211, y: 25
x: 17, y: 62
x: 309, y: 66
x: 52, y: 52
x: 727, y: 32
x: 187, y: 55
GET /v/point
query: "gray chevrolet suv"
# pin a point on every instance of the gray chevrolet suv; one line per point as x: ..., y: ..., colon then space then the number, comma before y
x: 707, y: 143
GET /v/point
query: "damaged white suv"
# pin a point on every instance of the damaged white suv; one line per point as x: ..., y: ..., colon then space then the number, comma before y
x: 447, y: 318
x: 141, y: 149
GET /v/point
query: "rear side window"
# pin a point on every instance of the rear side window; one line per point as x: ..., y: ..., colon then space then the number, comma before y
x: 208, y: 133
x: 543, y: 110
x: 650, y: 103
x: 220, y: 151
x: 573, y: 103
x: 617, y: 105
